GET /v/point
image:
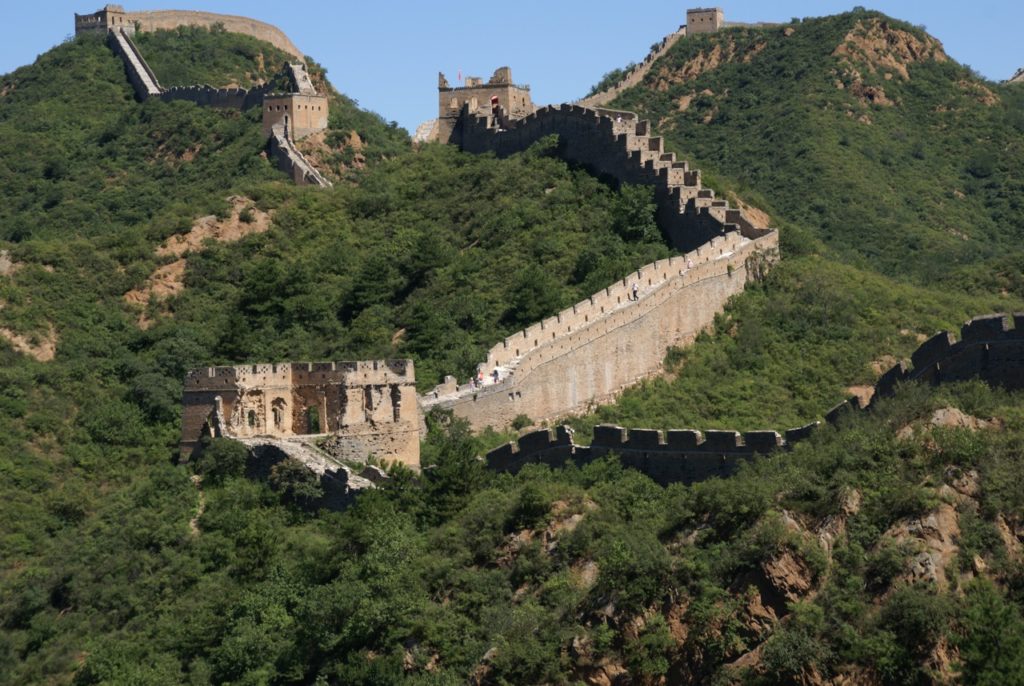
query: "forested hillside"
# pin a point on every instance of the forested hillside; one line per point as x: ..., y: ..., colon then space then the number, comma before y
x: 140, y: 240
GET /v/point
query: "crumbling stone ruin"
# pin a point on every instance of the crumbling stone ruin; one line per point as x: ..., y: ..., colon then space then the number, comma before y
x: 287, y: 117
x: 988, y: 349
x: 355, y: 409
x: 480, y: 99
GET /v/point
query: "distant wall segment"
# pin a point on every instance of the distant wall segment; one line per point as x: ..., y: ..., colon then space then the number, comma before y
x: 172, y: 19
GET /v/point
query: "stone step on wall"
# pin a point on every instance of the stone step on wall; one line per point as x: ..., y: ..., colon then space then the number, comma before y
x: 293, y: 162
x: 141, y: 77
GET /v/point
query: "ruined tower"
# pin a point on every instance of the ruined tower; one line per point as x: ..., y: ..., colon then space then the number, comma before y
x: 369, y: 407
x: 107, y: 19
x: 514, y: 100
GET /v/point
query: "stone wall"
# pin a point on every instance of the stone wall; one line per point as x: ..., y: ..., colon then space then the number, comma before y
x: 292, y: 162
x: 172, y: 19
x: 988, y: 349
x: 142, y: 78
x: 220, y: 98
x: 301, y: 114
x: 590, y: 352
x: 370, y: 405
x: 619, y: 146
x: 636, y: 74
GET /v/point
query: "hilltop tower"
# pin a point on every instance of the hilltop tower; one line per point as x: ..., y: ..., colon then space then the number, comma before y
x: 481, y: 98
x: 704, y: 20
x: 109, y: 18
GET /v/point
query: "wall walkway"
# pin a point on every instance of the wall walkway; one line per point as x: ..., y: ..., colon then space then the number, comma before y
x: 293, y: 162
x: 593, y: 350
x: 142, y: 78
x: 172, y: 19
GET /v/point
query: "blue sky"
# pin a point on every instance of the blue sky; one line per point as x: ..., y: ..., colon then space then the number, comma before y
x: 387, y: 53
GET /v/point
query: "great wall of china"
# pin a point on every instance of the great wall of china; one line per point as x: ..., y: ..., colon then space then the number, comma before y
x: 286, y: 116
x: 563, y: 365
x: 988, y: 349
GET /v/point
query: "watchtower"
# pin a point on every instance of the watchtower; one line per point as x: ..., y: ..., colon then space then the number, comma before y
x: 303, y: 114
x: 110, y: 18
x: 481, y: 98
x: 704, y: 20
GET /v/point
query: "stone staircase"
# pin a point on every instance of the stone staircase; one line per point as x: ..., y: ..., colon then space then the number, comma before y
x: 293, y: 162
x: 636, y: 74
x: 141, y: 76
x: 300, y: 79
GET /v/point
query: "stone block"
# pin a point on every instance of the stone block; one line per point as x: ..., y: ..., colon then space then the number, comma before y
x: 801, y: 433
x: 686, y: 439
x: 988, y: 327
x: 501, y: 459
x: 645, y: 439
x: 609, y: 436
x: 763, y: 442
x: 886, y: 385
x: 833, y: 415
x: 721, y: 440
x: 535, y: 441
x: 932, y: 350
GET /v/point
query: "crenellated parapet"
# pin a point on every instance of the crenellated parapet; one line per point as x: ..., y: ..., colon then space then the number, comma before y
x: 615, y: 144
x: 635, y: 75
x: 218, y: 98
x: 593, y: 350
x: 989, y: 349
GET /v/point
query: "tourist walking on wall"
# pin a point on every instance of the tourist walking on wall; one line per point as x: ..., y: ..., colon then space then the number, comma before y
x: 636, y: 292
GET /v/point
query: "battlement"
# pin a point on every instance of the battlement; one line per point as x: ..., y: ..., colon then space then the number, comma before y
x: 989, y: 349
x: 590, y: 352
x: 218, y: 98
x: 618, y: 145
x: 287, y: 117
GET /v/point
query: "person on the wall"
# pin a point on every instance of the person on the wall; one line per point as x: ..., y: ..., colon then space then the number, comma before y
x: 636, y: 292
x: 496, y: 375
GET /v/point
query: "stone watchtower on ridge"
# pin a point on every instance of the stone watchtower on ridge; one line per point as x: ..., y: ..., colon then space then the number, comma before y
x: 704, y: 20
x: 110, y: 18
x: 481, y: 98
